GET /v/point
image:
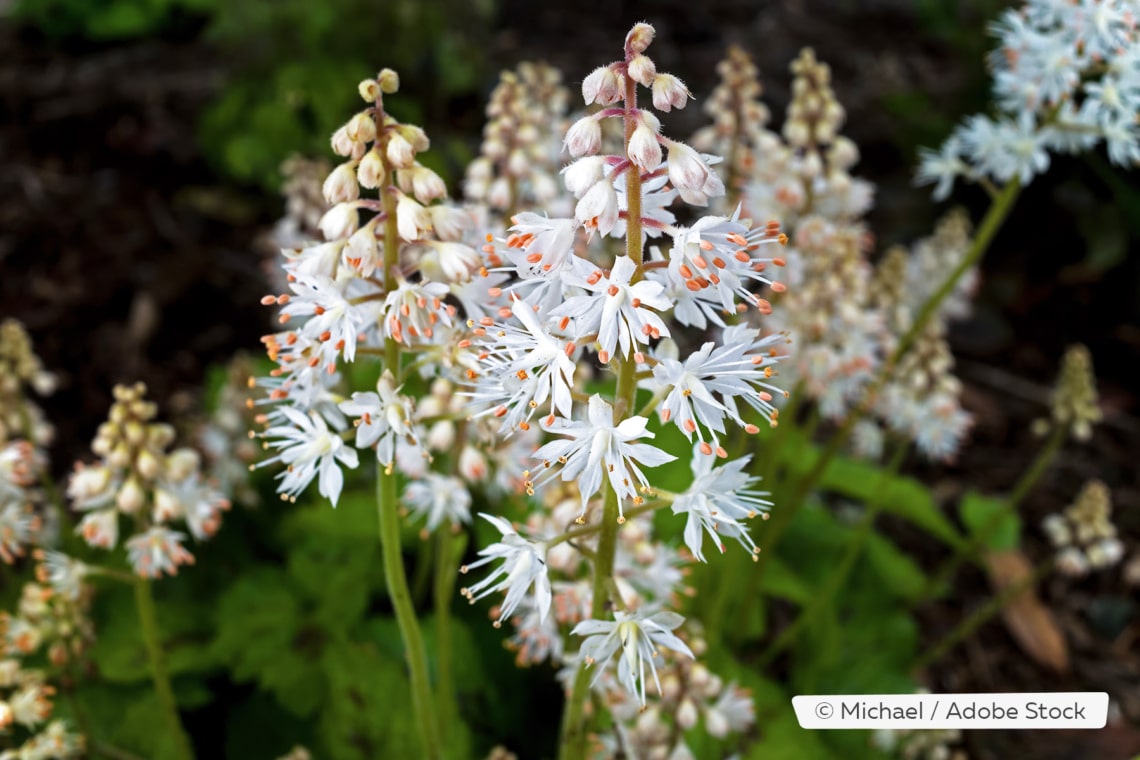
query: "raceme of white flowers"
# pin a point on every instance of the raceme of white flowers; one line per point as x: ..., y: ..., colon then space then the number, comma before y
x: 1066, y: 79
x: 511, y: 326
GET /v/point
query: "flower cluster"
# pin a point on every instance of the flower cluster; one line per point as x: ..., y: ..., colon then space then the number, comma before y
x: 23, y: 435
x: 137, y: 477
x: 518, y: 163
x: 690, y: 694
x: 47, y: 621
x: 1066, y: 78
x: 1074, y: 404
x: 1084, y: 536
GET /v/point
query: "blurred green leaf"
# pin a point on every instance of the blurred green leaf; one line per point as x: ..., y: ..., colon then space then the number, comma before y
x: 990, y: 521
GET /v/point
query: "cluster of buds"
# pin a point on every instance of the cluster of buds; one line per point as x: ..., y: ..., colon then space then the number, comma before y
x: 23, y: 434
x: 1074, y: 404
x: 807, y: 172
x: 137, y: 477
x: 48, y: 620
x: 690, y: 695
x: 739, y: 118
x: 223, y: 438
x: 1084, y: 535
x: 52, y: 614
x: 21, y: 371
x: 921, y: 401
x: 1066, y: 78
x: 518, y: 164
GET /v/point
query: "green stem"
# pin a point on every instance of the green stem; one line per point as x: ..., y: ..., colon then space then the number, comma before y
x: 968, y: 549
x: 387, y: 500
x: 144, y: 602
x: 980, y: 616
x: 835, y: 583
x: 574, y: 723
x: 397, y: 581
x: 448, y: 553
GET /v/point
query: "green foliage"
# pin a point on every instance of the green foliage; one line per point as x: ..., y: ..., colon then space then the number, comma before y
x: 107, y: 20
x: 990, y: 522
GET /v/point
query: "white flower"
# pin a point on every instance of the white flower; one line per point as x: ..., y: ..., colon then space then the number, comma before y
x: 598, y: 209
x: 616, y: 310
x: 644, y: 149
x: 691, y: 176
x: 382, y: 418
x: 340, y: 186
x: 942, y: 166
x: 638, y: 637
x: 584, y: 138
x: 100, y: 528
x: 602, y: 86
x: 65, y: 574
x: 412, y: 310
x: 157, y: 551
x: 598, y: 445
x: 717, y: 502
x: 438, y: 498
x: 523, y: 369
x: 524, y: 565
x: 308, y: 447
x: 18, y: 525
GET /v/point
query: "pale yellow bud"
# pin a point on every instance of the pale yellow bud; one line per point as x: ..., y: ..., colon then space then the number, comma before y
x: 640, y: 37
x: 369, y: 90
x: 389, y: 81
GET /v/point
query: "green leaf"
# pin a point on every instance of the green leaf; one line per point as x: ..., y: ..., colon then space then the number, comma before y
x: 782, y: 581
x: 899, y: 574
x: 990, y: 521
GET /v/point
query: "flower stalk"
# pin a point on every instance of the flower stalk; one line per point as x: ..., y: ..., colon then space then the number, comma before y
x: 160, y: 676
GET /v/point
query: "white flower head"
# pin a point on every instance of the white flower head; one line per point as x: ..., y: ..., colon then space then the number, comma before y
x: 308, y: 449
x: 638, y: 637
x: 524, y: 565
x: 159, y: 550
x: 382, y: 418
x: 438, y: 498
x: 598, y: 446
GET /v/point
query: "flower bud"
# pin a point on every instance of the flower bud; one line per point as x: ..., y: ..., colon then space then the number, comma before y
x: 584, y: 137
x: 147, y: 464
x: 361, y: 128
x: 370, y: 173
x: 411, y: 218
x: 640, y: 37
x: 448, y: 222
x: 716, y: 724
x: 416, y: 136
x: 159, y: 435
x: 441, y: 436
x: 342, y: 144
x: 182, y: 463
x: 687, y: 714
x: 687, y: 169
x: 642, y: 70
x: 427, y: 185
x: 601, y: 86
x: 581, y: 175
x: 166, y: 506
x: 369, y: 90
x: 340, y: 185
x: 400, y: 153
x: 389, y: 81
x: 499, y: 193
x: 120, y: 456
x: 131, y: 496
x: 340, y: 221
x: 472, y: 465
x: 363, y: 245
x: 644, y: 150
x: 669, y: 92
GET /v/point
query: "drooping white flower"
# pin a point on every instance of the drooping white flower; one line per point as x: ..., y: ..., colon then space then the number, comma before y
x: 438, y: 499
x: 308, y: 448
x: 524, y: 565
x: 639, y: 638
x: 598, y: 446
x: 383, y: 417
x: 618, y: 311
x: 718, y: 502
x: 524, y: 369
x: 156, y: 551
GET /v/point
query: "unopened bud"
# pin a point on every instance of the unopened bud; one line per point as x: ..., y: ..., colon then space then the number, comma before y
x: 389, y: 81
x: 584, y: 138
x: 340, y: 185
x: 369, y: 90
x: 687, y: 714
x: 644, y: 149
x: 640, y: 37
x: 370, y: 172
x: 148, y: 465
x: 642, y: 70
x: 130, y: 497
x: 602, y: 87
